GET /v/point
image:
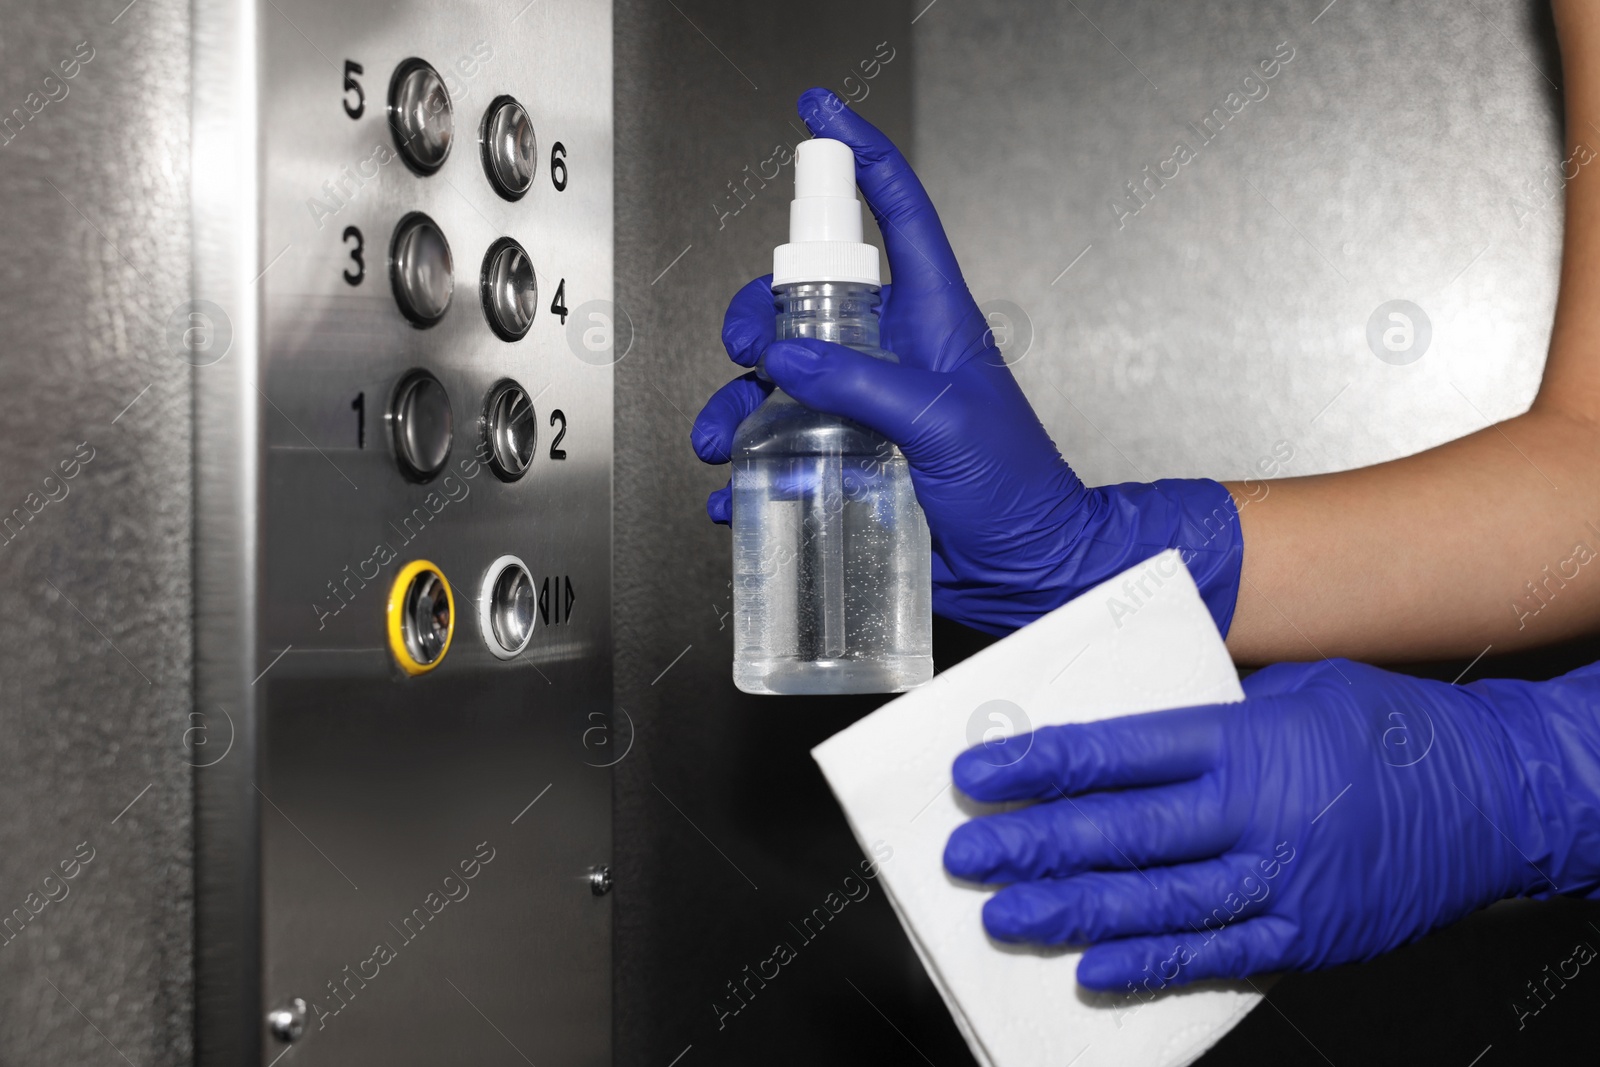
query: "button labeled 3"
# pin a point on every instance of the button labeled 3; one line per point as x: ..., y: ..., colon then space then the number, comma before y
x: 421, y: 270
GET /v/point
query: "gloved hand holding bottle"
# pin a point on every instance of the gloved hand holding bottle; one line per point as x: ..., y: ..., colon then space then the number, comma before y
x: 1339, y: 812
x: 1015, y: 533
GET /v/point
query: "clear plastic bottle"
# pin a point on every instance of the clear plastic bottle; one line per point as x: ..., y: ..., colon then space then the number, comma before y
x: 832, y: 579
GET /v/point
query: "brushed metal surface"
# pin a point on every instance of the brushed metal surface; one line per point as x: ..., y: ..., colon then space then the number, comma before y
x: 1407, y: 151
x: 95, y: 655
x: 225, y: 214
x: 370, y: 790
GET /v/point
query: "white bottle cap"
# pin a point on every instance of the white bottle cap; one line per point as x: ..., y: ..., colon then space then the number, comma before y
x: 824, y: 220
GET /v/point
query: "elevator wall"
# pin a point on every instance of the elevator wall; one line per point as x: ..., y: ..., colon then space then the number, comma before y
x: 1400, y: 151
x: 95, y: 660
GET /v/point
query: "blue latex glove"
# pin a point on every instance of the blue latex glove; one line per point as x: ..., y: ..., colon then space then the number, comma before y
x: 1339, y: 812
x: 1015, y: 532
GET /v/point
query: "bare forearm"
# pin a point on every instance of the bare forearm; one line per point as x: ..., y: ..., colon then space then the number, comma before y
x: 1490, y: 540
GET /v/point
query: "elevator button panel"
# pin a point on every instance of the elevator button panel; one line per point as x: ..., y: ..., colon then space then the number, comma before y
x: 423, y: 428
x: 430, y: 590
x: 510, y: 149
x: 510, y: 291
x: 421, y: 116
x: 421, y: 269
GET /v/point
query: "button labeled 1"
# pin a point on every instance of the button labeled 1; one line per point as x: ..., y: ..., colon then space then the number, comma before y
x: 422, y: 427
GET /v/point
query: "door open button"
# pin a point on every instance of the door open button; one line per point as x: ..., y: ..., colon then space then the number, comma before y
x: 506, y: 608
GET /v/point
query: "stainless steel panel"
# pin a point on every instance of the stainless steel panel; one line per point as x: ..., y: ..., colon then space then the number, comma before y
x: 225, y: 209
x: 95, y: 655
x: 371, y: 789
x: 1407, y: 151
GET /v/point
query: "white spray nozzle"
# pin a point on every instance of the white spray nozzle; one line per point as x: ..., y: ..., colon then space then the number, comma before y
x: 824, y: 220
x: 824, y: 167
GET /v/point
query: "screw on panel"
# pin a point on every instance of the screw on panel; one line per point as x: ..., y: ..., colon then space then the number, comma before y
x: 288, y: 1022
x: 600, y: 880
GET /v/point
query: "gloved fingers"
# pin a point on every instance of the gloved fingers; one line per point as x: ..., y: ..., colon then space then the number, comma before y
x: 750, y: 323
x: 719, y: 505
x: 1149, y: 749
x: 1166, y: 960
x: 887, y: 397
x: 1136, y: 828
x: 919, y: 253
x: 1100, y: 905
x: 712, y: 434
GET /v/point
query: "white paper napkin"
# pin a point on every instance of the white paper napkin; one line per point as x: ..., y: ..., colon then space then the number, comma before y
x: 1140, y: 642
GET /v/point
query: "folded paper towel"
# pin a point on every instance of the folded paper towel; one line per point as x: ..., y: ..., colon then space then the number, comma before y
x: 1140, y: 642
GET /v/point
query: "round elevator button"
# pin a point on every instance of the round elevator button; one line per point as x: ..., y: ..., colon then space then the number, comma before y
x: 421, y: 270
x: 422, y: 426
x: 420, y: 116
x: 510, y: 290
x: 511, y: 602
x: 421, y: 617
x: 510, y: 150
x: 506, y: 607
x: 510, y: 429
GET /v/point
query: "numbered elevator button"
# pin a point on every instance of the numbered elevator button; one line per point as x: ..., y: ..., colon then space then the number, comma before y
x: 510, y: 151
x: 421, y: 617
x: 506, y: 607
x: 421, y: 424
x: 510, y: 430
x: 421, y: 270
x: 509, y: 289
x: 420, y: 116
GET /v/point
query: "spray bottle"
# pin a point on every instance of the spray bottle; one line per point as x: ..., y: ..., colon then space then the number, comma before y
x: 832, y: 579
